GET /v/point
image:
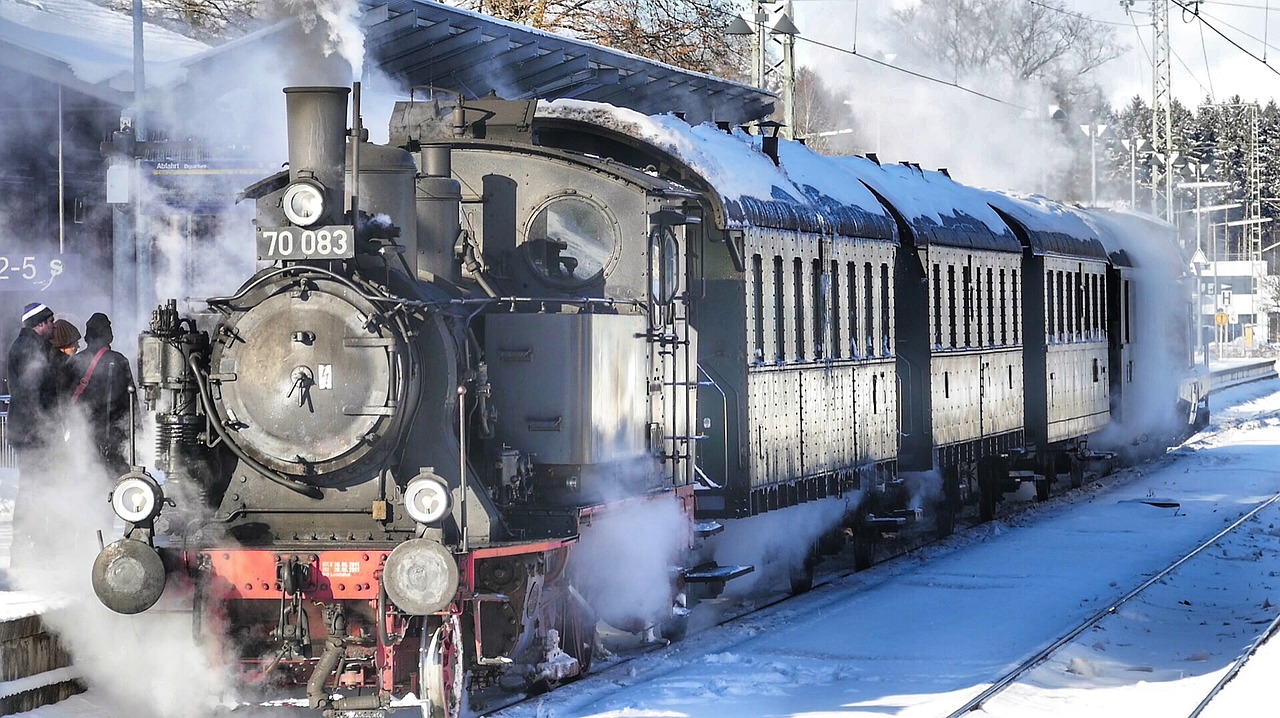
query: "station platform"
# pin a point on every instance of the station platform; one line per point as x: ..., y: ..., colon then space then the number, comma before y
x: 35, y: 667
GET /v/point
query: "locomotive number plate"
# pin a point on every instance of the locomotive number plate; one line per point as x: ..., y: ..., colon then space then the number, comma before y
x: 335, y: 242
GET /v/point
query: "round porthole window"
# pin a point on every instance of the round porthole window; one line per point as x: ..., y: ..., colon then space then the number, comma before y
x: 570, y: 241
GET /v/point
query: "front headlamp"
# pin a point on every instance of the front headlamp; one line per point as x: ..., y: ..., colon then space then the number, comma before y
x: 304, y: 204
x: 137, y: 498
x: 427, y: 499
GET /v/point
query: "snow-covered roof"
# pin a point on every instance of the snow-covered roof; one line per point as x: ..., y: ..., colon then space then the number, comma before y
x: 1051, y: 227
x: 805, y: 192
x: 938, y: 209
x: 87, y: 46
x: 1137, y: 239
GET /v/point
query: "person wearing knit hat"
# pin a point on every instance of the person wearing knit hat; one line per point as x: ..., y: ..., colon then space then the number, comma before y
x: 65, y: 337
x: 36, y: 314
x: 32, y: 423
x: 102, y: 386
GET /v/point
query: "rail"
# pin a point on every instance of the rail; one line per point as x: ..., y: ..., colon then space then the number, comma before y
x: 1220, y: 379
x: 1009, y: 678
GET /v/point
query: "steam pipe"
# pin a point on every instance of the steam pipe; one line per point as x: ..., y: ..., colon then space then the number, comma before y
x: 462, y: 464
x: 316, y: 694
x: 356, y: 138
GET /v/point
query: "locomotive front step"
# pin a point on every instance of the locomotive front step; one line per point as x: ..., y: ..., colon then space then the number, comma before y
x: 715, y: 573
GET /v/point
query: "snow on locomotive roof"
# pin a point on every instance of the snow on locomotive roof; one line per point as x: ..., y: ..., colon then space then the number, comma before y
x: 804, y: 193
x: 1051, y: 227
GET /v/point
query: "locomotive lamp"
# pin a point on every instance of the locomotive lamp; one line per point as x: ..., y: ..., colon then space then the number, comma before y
x: 137, y: 498
x: 128, y: 576
x: 304, y: 204
x: 420, y: 576
x: 427, y: 499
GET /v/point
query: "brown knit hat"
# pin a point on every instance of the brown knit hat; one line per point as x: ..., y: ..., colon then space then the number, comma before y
x: 65, y: 334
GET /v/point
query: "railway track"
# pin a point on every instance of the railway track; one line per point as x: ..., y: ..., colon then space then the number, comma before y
x: 1212, y: 561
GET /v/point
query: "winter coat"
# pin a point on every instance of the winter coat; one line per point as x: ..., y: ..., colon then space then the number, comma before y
x: 105, y: 399
x: 33, y: 391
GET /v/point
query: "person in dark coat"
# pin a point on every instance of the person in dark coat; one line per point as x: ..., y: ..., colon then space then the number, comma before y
x: 32, y: 426
x: 102, y: 387
x: 66, y: 341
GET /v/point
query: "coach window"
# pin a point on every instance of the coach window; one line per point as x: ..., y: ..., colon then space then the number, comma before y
x: 1102, y: 304
x: 1004, y: 311
x: 1051, y: 320
x: 869, y: 308
x: 977, y: 305
x: 991, y: 307
x: 937, y: 305
x: 819, y: 310
x: 779, y: 310
x: 886, y: 327
x: 851, y: 290
x: 1015, y: 318
x: 951, y: 304
x: 1125, y: 315
x: 797, y: 271
x: 757, y: 305
x: 1062, y: 306
x: 837, y: 338
x: 571, y: 240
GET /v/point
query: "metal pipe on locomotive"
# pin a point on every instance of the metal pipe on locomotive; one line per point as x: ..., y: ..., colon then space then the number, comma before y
x: 332, y: 480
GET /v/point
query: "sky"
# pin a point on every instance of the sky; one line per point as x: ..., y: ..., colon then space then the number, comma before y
x: 1006, y: 140
x: 1199, y: 69
x: 919, y: 635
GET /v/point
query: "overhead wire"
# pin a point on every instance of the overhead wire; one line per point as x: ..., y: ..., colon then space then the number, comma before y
x: 1208, y: 72
x: 1197, y: 14
x: 1082, y: 16
x: 914, y: 73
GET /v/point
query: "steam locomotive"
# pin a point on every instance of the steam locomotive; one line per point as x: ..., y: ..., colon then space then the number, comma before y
x: 474, y: 352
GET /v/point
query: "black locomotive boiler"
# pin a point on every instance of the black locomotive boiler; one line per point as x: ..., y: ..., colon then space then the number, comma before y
x: 406, y: 456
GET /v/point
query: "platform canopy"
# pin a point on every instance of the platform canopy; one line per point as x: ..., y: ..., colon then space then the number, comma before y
x: 429, y: 44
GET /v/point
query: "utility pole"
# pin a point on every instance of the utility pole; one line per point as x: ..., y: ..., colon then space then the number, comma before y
x: 1162, y: 102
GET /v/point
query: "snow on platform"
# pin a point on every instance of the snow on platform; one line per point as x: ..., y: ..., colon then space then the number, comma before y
x: 35, y: 668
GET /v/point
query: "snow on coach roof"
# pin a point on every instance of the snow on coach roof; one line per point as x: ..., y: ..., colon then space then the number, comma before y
x: 938, y: 209
x: 1138, y: 239
x: 805, y: 193
x: 1051, y: 227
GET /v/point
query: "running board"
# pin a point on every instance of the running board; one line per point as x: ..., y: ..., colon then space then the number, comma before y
x: 707, y: 529
x: 715, y: 573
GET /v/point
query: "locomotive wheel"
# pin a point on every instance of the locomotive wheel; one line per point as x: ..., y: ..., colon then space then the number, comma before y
x: 675, y: 628
x: 577, y: 626
x: 440, y: 670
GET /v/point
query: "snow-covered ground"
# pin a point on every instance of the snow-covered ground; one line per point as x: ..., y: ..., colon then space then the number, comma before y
x: 919, y: 635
